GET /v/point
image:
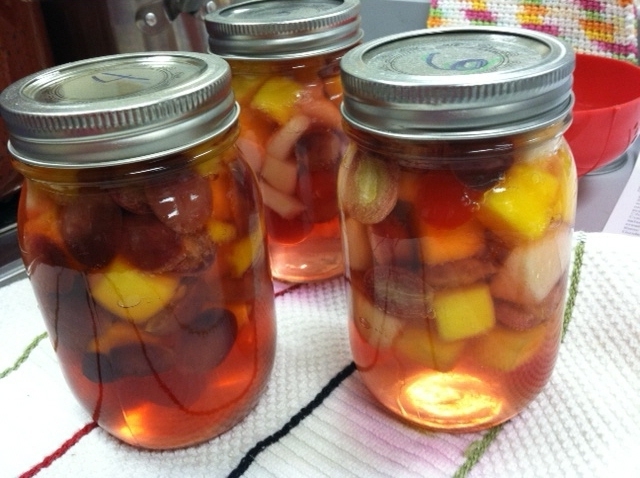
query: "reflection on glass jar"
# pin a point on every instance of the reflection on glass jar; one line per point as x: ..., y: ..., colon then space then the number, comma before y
x: 151, y: 271
x: 457, y: 237
x: 286, y: 80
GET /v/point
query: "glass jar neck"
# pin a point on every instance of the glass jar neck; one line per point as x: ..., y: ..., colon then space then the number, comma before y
x: 423, y: 154
x: 212, y: 149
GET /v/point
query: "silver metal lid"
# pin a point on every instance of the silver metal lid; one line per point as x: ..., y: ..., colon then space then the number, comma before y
x: 118, y: 109
x: 276, y: 29
x: 457, y: 83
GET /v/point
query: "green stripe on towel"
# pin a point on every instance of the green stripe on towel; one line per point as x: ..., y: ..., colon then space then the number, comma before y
x: 24, y: 356
x: 477, y: 448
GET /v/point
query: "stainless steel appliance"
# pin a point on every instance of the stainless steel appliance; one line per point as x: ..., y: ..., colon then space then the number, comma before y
x: 80, y: 29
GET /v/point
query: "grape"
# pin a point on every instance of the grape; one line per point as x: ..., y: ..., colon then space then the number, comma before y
x: 124, y: 352
x: 73, y: 320
x: 207, y: 340
x: 485, y: 176
x: 398, y: 224
x: 318, y: 191
x: 368, y: 187
x: 189, y: 301
x: 91, y: 228
x: 184, y: 204
x: 399, y: 292
x: 319, y: 149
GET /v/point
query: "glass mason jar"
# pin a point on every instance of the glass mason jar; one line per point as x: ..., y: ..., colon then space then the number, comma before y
x: 285, y: 58
x: 143, y: 237
x: 458, y: 196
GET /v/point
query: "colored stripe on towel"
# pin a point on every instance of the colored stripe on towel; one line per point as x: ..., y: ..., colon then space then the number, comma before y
x: 24, y: 356
x: 477, y: 448
x: 65, y: 447
x: 295, y: 420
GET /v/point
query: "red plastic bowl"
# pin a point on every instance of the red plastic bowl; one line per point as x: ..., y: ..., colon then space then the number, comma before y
x: 606, y: 114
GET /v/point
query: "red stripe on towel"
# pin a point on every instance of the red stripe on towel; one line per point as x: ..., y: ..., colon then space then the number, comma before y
x: 65, y: 447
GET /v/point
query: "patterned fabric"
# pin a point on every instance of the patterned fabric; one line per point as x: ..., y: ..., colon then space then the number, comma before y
x: 316, y: 419
x: 599, y: 27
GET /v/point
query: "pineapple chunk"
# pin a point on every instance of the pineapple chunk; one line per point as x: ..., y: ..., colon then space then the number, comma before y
x: 129, y: 293
x: 565, y: 207
x: 428, y: 349
x: 245, y: 251
x: 375, y: 327
x: 446, y: 245
x: 221, y: 232
x: 463, y: 311
x: 506, y: 349
x: 245, y: 86
x: 522, y: 204
x: 277, y: 97
x: 532, y: 270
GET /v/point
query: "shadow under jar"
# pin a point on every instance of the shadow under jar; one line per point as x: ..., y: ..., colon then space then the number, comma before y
x: 143, y: 237
x: 284, y: 55
x: 458, y: 198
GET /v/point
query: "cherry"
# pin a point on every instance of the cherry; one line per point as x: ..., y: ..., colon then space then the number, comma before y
x: 444, y: 201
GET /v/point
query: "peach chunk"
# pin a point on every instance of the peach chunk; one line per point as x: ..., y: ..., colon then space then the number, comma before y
x: 522, y: 205
x: 130, y: 293
x: 463, y: 311
x: 426, y: 348
x: 445, y: 245
x: 506, y: 349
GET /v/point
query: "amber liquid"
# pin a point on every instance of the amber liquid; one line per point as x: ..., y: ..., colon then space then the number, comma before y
x: 457, y: 275
x: 291, y: 135
x: 469, y: 396
x: 164, y: 407
x: 166, y: 338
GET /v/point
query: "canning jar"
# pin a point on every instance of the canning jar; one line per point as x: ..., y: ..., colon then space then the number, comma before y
x: 458, y: 196
x: 143, y: 237
x: 284, y: 55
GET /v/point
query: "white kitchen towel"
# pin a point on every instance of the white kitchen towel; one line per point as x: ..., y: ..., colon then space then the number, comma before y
x: 316, y: 418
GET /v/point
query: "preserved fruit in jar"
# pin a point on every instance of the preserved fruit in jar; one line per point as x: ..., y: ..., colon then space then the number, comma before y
x: 285, y: 60
x: 149, y: 265
x: 457, y: 232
